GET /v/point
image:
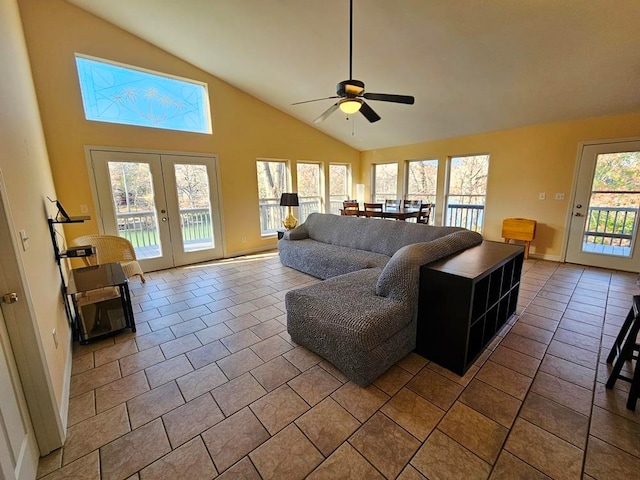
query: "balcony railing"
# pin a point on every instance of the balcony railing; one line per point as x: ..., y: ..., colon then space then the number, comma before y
x: 610, y: 230
x: 141, y: 229
x: 466, y: 216
x: 272, y: 214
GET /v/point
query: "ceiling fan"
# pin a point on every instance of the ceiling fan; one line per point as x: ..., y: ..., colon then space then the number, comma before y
x: 352, y: 94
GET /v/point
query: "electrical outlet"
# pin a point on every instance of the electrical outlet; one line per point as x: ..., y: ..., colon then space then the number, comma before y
x: 84, y: 208
x: 55, y: 337
x: 243, y: 239
x: 542, y: 196
x: 559, y: 196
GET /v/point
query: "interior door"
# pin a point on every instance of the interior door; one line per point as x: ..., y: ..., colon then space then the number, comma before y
x: 18, y: 448
x: 603, y: 231
x: 166, y: 205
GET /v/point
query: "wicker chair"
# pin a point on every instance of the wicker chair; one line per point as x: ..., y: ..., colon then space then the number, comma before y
x: 111, y: 248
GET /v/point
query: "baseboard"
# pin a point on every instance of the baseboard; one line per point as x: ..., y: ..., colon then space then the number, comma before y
x: 250, y: 251
x: 66, y: 387
x: 542, y: 256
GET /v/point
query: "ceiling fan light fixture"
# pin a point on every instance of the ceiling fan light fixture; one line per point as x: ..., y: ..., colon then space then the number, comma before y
x: 350, y: 105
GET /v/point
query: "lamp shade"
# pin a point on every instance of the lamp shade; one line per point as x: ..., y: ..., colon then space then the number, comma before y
x: 289, y: 200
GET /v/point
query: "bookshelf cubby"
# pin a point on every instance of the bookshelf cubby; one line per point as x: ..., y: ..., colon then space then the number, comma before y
x: 465, y: 299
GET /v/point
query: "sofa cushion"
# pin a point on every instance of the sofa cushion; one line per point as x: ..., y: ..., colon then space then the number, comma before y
x: 344, y: 313
x: 324, y: 261
x: 370, y: 234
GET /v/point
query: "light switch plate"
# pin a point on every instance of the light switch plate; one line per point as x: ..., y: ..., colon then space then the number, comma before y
x: 25, y: 240
x: 542, y: 196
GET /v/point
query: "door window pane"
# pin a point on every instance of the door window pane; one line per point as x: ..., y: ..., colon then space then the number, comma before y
x: 614, y: 203
x: 192, y: 184
x: 339, y: 187
x: 272, y: 181
x: 133, y: 199
x: 385, y: 182
x: 467, y: 190
x: 309, y: 189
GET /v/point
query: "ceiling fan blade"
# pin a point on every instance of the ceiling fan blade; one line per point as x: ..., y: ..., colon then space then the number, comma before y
x: 368, y: 113
x: 315, y: 100
x: 326, y: 113
x: 387, y: 97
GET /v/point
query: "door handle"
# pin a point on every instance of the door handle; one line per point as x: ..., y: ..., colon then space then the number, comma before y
x: 578, y: 215
x: 10, y: 298
x: 164, y: 219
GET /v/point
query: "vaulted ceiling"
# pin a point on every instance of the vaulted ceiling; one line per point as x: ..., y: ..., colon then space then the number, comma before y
x: 473, y: 65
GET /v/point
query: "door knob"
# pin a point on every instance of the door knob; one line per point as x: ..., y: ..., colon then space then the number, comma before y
x: 579, y: 205
x: 10, y: 298
x: 578, y: 215
x: 164, y: 219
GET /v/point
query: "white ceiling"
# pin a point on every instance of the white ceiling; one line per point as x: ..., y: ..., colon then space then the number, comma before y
x: 473, y: 65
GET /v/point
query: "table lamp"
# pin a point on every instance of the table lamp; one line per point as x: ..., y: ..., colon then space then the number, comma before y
x: 289, y: 200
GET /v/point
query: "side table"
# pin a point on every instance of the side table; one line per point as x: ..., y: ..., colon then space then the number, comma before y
x: 101, y: 300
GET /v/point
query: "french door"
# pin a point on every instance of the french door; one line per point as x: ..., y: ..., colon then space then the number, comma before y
x: 167, y: 205
x: 603, y: 231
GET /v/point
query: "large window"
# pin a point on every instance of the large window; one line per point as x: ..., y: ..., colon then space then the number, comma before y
x: 273, y: 179
x: 466, y: 191
x: 339, y: 186
x: 309, y: 177
x: 421, y: 182
x: 385, y: 182
x: 118, y: 93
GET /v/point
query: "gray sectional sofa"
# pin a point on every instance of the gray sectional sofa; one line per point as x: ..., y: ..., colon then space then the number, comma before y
x: 362, y: 318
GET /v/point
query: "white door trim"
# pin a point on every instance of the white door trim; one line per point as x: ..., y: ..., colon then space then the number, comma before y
x: 94, y: 191
x: 48, y: 422
x: 574, y: 184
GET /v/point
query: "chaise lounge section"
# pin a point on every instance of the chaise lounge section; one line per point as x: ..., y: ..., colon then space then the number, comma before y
x: 363, y: 317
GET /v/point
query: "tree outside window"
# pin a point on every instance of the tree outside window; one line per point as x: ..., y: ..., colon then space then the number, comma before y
x: 309, y: 189
x: 385, y: 182
x: 467, y: 190
x: 272, y: 182
x: 339, y: 186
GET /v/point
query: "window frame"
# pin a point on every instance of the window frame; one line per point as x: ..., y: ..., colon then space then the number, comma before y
x: 278, y: 213
x: 164, y: 102
x: 348, y: 181
x: 374, y: 192
x: 302, y: 209
x: 477, y: 224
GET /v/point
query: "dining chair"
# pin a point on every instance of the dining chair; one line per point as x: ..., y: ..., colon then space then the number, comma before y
x: 350, y: 208
x: 412, y: 203
x: 392, y: 204
x: 373, y: 209
x: 425, y: 213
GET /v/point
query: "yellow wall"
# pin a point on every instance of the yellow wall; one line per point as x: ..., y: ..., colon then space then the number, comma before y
x: 523, y: 163
x: 25, y: 168
x: 244, y: 129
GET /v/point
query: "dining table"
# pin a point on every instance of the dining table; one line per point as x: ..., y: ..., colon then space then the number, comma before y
x: 392, y: 212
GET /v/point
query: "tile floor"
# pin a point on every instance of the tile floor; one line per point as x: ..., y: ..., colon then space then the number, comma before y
x: 212, y: 386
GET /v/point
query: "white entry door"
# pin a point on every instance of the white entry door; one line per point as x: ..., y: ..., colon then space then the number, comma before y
x: 166, y: 205
x: 18, y: 448
x: 603, y: 230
